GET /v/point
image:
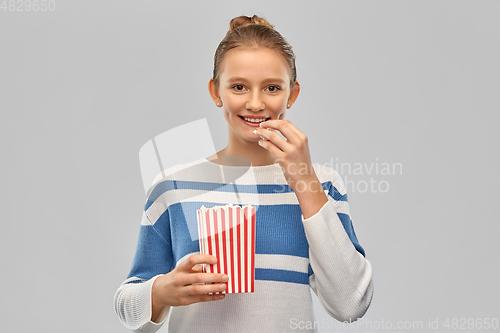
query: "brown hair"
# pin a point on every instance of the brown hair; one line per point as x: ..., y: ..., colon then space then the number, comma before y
x: 253, y: 32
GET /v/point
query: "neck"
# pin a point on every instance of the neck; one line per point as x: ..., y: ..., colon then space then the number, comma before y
x: 258, y: 156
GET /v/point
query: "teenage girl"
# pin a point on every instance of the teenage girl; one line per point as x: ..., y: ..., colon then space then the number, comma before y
x: 304, y: 234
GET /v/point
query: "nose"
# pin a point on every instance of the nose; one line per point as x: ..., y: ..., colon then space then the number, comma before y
x: 255, y: 102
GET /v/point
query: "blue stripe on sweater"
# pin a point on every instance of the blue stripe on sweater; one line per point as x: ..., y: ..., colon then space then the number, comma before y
x: 281, y: 275
x: 279, y: 229
x: 153, y: 254
x: 347, y: 223
x: 334, y: 193
x: 265, y: 274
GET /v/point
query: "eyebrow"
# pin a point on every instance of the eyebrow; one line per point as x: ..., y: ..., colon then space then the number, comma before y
x: 237, y: 78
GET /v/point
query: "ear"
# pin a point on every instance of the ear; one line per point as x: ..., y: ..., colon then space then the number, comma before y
x: 294, y: 93
x: 214, y: 92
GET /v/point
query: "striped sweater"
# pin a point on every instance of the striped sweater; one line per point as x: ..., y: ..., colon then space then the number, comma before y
x: 292, y: 254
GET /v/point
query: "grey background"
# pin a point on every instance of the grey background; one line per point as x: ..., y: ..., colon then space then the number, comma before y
x: 83, y: 87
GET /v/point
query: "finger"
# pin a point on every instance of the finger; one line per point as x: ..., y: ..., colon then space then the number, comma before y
x: 289, y: 130
x: 203, y: 289
x: 196, y: 259
x: 274, y: 138
x: 200, y: 278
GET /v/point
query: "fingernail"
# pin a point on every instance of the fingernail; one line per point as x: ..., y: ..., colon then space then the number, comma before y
x: 214, y: 260
x: 223, y: 286
x: 225, y: 278
x: 255, y: 131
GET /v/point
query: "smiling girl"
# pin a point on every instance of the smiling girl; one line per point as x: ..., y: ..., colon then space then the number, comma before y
x: 304, y: 234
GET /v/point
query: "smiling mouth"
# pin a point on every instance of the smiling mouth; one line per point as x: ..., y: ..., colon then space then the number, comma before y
x: 255, y: 121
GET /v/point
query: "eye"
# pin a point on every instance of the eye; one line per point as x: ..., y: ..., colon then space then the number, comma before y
x: 238, y: 87
x: 273, y: 88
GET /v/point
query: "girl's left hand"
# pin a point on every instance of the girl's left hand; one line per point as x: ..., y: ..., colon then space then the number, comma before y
x: 292, y: 154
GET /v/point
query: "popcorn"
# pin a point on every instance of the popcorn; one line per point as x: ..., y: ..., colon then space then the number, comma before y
x: 228, y: 233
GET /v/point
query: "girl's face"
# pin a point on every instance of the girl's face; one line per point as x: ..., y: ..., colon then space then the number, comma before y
x: 253, y: 83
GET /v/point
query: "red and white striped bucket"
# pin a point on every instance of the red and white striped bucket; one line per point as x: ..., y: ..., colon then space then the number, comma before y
x: 228, y: 233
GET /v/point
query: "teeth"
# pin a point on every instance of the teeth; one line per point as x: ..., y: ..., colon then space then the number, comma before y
x: 253, y: 120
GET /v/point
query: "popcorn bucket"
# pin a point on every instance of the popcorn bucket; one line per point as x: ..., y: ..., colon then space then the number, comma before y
x: 228, y: 233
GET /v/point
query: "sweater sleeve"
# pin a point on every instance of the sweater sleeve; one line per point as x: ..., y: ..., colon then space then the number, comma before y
x: 153, y: 257
x: 342, y: 276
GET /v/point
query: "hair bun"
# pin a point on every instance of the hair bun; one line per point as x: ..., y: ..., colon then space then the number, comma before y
x: 243, y: 21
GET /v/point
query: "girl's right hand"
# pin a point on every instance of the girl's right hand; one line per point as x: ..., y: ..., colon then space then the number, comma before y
x: 185, y: 284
